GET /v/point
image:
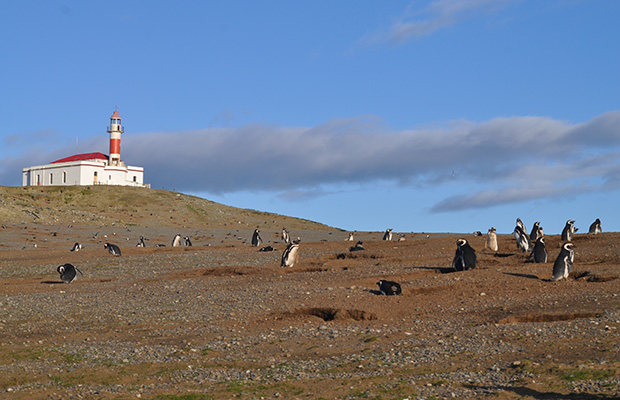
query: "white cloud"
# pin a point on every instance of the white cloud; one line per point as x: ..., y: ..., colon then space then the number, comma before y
x: 436, y: 15
x: 504, y: 160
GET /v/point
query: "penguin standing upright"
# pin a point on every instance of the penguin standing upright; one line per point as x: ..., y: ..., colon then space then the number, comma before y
x: 564, y: 263
x: 491, y: 243
x: 187, y: 241
x: 176, y: 241
x: 536, y: 232
x: 522, y: 238
x: 68, y: 272
x: 569, y: 230
x: 290, y: 255
x: 350, y: 238
x: 595, y: 228
x: 388, y: 234
x: 285, y: 236
x: 540, y: 251
x: 464, y: 257
x: 521, y: 225
x: 256, y: 239
x: 141, y: 242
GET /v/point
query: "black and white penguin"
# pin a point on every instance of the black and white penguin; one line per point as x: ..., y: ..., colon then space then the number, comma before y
x: 520, y: 224
x: 569, y: 231
x: 389, y: 288
x: 76, y: 247
x: 186, y: 241
x: 290, y: 255
x: 563, y: 265
x: 141, y: 242
x: 113, y: 249
x: 68, y: 272
x: 536, y: 232
x: 176, y: 241
x: 595, y: 228
x: 256, y: 239
x: 539, y: 253
x: 522, y: 238
x: 350, y: 238
x: 267, y: 248
x: 464, y: 257
x: 388, y: 234
x: 491, y: 243
x: 285, y: 236
x: 358, y: 246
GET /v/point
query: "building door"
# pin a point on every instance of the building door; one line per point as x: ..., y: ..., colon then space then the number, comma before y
x: 95, y: 178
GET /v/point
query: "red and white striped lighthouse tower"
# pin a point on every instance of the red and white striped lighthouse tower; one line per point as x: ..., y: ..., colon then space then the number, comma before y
x: 115, y: 129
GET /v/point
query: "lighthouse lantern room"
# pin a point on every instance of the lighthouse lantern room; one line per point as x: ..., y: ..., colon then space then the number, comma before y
x: 89, y: 168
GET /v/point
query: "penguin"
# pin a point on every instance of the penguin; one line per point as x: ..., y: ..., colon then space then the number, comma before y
x: 536, y: 232
x: 68, y: 272
x: 595, y: 228
x: 141, y: 242
x: 285, y: 236
x: 358, y: 246
x: 76, y: 247
x: 569, y: 231
x: 290, y: 255
x: 521, y: 224
x: 256, y: 239
x: 563, y: 265
x: 267, y: 248
x: 491, y: 243
x: 388, y: 234
x: 113, y: 249
x: 176, y: 241
x: 186, y: 241
x: 540, y: 251
x: 464, y: 257
x: 389, y: 288
x: 402, y: 237
x: 350, y: 239
x: 522, y: 238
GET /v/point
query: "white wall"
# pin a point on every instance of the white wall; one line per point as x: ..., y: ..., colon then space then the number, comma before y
x: 82, y: 173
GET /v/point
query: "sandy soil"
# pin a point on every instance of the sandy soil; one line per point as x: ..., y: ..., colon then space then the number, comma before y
x: 222, y: 320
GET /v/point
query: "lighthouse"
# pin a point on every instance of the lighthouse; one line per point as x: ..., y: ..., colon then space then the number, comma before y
x: 89, y: 168
x: 115, y: 129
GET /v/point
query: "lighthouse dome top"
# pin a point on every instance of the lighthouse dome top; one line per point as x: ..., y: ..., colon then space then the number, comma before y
x: 115, y: 115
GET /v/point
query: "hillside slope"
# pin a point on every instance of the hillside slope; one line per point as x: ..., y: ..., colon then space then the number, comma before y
x: 119, y: 205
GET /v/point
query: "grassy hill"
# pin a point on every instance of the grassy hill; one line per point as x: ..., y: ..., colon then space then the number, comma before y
x: 120, y: 205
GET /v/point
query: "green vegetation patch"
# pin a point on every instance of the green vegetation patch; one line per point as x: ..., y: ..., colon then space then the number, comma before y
x: 573, y: 375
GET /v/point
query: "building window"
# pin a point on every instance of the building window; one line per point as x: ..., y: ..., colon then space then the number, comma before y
x: 135, y: 179
x: 51, y: 178
x: 64, y: 176
x: 38, y: 180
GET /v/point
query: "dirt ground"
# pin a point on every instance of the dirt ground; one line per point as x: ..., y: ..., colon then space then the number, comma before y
x: 222, y: 320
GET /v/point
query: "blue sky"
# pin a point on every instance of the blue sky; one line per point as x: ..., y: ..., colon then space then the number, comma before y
x: 447, y: 115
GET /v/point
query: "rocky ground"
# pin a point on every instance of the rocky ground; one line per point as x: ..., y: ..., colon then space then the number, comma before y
x: 221, y: 320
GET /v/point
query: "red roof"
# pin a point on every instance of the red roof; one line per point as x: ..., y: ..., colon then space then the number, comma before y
x: 82, y: 157
x: 115, y: 115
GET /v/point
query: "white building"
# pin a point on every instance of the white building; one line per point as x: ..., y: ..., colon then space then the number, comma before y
x: 88, y: 168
